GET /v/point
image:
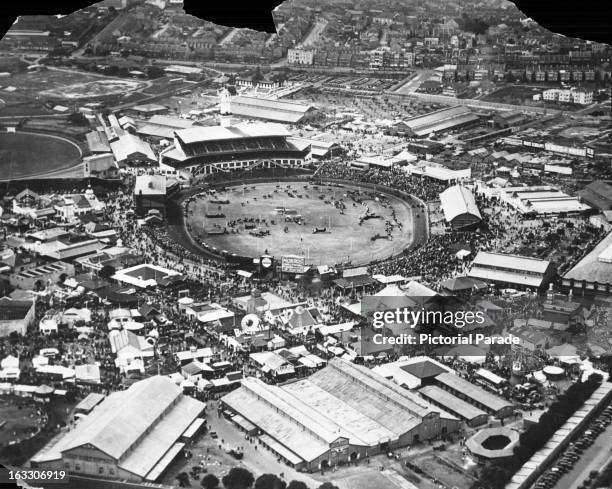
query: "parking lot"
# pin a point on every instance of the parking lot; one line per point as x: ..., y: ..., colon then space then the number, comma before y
x: 577, y: 466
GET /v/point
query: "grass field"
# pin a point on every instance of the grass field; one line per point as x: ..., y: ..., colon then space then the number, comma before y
x: 25, y: 155
x: 20, y: 422
x: 443, y: 473
x: 344, y: 239
x: 71, y: 85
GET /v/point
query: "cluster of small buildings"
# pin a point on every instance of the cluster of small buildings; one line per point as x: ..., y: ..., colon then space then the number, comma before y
x: 569, y: 95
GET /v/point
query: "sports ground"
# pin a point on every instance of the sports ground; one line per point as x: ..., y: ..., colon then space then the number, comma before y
x: 30, y: 155
x: 254, y: 223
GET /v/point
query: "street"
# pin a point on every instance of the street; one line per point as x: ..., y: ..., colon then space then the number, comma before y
x: 593, y: 458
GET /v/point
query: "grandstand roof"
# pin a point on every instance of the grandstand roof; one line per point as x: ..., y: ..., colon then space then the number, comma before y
x: 238, y: 131
x: 440, y: 120
x: 275, y: 110
x: 458, y: 200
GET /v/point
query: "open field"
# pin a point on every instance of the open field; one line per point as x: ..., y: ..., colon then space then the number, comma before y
x: 71, y: 85
x: 344, y: 239
x: 95, y: 88
x: 523, y: 95
x: 24, y: 155
x: 582, y: 132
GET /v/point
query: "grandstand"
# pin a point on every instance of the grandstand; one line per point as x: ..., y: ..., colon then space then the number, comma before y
x: 205, y: 150
x: 459, y: 207
x: 272, y: 110
x: 438, y: 121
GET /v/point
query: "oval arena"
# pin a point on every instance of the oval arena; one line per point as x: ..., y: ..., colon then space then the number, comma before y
x: 327, y: 223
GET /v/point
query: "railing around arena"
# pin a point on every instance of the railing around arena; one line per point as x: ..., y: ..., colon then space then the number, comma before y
x: 180, y: 233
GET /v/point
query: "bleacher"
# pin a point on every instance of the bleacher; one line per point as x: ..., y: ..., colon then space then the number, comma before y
x: 209, y: 148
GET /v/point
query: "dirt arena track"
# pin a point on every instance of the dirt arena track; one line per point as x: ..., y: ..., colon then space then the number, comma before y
x: 243, y: 211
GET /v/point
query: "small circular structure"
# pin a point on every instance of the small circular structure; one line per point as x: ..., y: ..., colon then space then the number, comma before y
x: 493, y: 443
x: 554, y: 373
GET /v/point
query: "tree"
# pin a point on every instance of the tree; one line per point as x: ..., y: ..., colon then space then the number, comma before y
x: 106, y: 272
x: 183, y: 479
x: 238, y: 478
x: 155, y: 72
x: 297, y: 485
x: 270, y: 481
x: 78, y: 119
x: 210, y: 481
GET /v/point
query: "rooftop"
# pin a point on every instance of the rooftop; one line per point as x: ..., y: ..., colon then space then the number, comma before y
x: 238, y: 131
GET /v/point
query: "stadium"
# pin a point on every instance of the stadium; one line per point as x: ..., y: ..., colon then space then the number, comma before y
x: 258, y: 195
x: 205, y: 150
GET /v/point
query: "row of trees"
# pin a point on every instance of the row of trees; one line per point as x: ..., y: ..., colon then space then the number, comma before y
x: 241, y: 478
x: 495, y: 476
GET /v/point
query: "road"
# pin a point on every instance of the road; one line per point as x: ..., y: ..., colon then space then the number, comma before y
x: 410, y: 89
x: 314, y: 34
x: 228, y: 38
x: 593, y: 458
x: 262, y: 461
x: 412, y: 85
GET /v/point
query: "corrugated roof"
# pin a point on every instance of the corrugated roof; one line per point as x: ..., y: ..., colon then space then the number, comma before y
x: 452, y: 403
x: 136, y: 426
x: 473, y: 391
x: 239, y: 131
x: 513, y: 262
x: 440, y: 120
x: 128, y: 144
x: 342, y: 400
x: 98, y: 142
x: 275, y: 110
x: 458, y: 200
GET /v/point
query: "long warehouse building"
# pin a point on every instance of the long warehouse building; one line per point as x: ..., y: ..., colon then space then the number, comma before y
x: 474, y: 395
x: 284, y: 111
x: 514, y: 271
x: 133, y: 435
x: 341, y: 413
x: 439, y: 121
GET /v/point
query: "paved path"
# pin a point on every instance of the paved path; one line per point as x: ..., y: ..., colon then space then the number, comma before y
x: 412, y: 85
x: 314, y: 34
x: 228, y: 37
